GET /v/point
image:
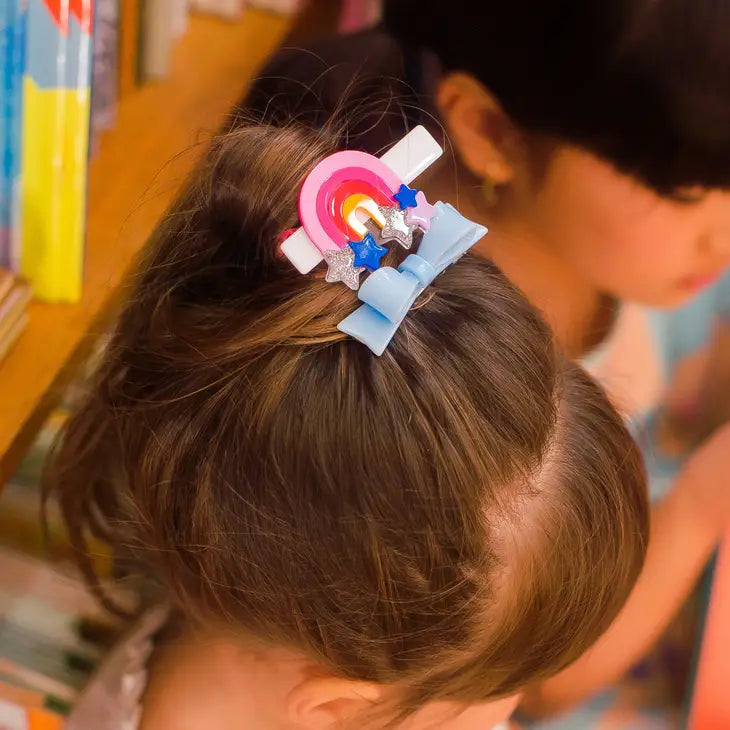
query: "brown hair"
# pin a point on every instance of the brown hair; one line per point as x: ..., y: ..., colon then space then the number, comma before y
x: 458, y: 518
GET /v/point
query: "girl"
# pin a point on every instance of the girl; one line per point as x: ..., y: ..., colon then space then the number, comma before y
x: 594, y: 139
x: 345, y: 540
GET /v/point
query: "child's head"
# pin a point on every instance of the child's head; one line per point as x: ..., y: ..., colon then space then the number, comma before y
x: 446, y: 523
x: 605, y: 126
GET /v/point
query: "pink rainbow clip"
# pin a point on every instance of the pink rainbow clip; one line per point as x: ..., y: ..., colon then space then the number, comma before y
x: 329, y: 188
x: 347, y: 188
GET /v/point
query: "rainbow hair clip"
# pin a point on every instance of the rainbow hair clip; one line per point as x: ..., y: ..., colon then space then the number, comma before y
x: 351, y: 206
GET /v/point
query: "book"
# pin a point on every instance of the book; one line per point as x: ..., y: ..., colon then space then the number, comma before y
x: 104, y: 79
x: 55, y: 146
x: 179, y: 18
x: 12, y: 336
x: 37, y: 622
x: 15, y: 689
x: 157, y: 36
x: 15, y: 673
x: 14, y: 716
x: 53, y: 634
x: 12, y: 54
x: 45, y: 657
x: 14, y: 298
x: 7, y: 281
x: 6, y: 52
x: 5, y: 184
x: 21, y: 695
x: 129, y: 50
x: 15, y: 146
x: 13, y: 305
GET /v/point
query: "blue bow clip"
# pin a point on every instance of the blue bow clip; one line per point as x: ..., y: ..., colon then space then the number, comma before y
x: 388, y: 294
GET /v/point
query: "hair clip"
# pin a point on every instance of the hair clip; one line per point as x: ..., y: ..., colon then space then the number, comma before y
x: 389, y: 293
x: 352, y: 193
x: 349, y: 188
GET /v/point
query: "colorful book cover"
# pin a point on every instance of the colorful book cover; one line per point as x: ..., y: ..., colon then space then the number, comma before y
x: 12, y: 64
x: 15, y: 147
x: 55, y: 146
x: 6, y: 34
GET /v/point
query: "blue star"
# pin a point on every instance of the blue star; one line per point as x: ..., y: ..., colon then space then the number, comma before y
x: 406, y: 197
x: 367, y: 252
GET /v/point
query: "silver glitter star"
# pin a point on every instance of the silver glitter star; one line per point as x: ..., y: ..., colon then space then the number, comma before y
x: 341, y: 267
x: 396, y: 228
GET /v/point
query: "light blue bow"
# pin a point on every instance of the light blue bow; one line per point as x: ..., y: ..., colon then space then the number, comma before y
x: 388, y: 294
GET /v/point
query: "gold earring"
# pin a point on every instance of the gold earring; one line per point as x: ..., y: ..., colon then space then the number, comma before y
x: 489, y: 191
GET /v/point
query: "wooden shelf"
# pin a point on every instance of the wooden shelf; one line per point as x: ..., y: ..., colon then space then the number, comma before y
x: 160, y: 132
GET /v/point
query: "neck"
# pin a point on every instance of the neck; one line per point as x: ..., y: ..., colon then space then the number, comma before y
x: 211, y: 682
x: 573, y: 308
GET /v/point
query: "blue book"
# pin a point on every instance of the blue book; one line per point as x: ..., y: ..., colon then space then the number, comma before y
x: 6, y: 35
x: 12, y: 63
x: 20, y: 19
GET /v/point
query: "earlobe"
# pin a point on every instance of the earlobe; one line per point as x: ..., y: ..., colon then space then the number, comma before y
x: 480, y: 130
x: 322, y: 703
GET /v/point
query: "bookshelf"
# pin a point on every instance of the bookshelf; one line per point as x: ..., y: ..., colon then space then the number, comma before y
x: 160, y: 132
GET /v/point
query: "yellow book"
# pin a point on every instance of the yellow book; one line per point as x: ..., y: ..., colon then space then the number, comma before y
x: 55, y: 146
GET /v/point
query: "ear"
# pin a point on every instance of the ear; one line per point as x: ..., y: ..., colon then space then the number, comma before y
x: 481, y: 131
x: 319, y: 703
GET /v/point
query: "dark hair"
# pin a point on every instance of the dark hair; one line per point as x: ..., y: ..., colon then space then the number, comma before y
x: 644, y: 84
x: 459, y: 517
